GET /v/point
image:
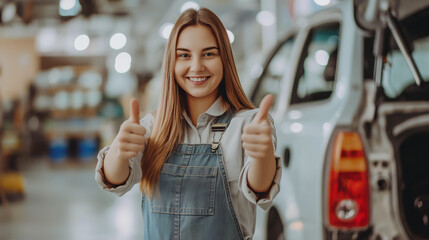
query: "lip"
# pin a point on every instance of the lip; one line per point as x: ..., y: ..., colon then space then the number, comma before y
x: 198, y: 80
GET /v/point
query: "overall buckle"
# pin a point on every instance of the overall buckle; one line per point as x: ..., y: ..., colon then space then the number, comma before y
x: 217, y: 128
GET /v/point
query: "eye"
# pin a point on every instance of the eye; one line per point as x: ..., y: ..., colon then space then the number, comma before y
x: 209, y: 54
x: 183, y: 55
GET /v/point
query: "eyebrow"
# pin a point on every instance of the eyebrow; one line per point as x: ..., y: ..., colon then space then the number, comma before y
x: 204, y: 49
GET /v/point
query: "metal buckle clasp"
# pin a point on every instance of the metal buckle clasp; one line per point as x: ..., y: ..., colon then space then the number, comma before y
x: 217, y: 128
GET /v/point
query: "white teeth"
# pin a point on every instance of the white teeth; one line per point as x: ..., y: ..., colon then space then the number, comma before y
x: 197, y: 79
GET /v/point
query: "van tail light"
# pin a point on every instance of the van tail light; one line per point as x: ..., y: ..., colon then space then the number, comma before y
x: 348, y: 189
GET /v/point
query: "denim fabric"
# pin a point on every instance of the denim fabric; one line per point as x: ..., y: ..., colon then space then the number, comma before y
x: 194, y: 200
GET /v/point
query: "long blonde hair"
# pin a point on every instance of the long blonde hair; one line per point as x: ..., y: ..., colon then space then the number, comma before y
x: 168, y: 125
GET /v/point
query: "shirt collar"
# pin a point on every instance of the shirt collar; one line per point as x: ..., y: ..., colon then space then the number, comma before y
x: 215, y: 110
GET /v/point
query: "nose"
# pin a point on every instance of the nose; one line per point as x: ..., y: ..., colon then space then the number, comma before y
x: 197, y: 65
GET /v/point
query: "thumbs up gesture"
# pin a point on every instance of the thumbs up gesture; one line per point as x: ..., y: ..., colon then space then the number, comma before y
x: 130, y: 139
x: 256, y: 137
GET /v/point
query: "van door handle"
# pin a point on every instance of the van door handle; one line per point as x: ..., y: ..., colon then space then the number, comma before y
x: 286, y: 157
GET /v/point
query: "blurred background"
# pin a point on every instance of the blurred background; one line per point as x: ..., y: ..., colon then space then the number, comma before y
x: 67, y: 71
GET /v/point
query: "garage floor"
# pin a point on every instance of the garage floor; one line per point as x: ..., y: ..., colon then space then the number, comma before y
x: 64, y: 202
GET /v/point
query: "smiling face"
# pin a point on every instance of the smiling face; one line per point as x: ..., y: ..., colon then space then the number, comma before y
x: 198, y: 69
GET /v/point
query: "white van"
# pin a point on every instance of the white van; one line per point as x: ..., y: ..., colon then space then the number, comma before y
x: 352, y: 119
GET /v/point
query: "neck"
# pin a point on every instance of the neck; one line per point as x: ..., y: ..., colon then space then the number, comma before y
x: 197, y: 106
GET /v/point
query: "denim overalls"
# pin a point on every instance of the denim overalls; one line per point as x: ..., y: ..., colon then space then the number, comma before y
x: 194, y: 200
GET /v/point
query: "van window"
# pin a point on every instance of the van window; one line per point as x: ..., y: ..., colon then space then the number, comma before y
x: 315, y: 75
x: 398, y: 82
x: 269, y: 82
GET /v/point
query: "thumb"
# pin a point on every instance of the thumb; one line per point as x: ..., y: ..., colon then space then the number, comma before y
x: 264, y: 107
x: 134, y: 111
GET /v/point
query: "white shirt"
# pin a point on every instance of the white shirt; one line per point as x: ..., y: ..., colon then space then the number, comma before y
x: 236, y: 161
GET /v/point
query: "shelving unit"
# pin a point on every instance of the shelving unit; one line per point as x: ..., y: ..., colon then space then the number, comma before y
x: 70, y: 101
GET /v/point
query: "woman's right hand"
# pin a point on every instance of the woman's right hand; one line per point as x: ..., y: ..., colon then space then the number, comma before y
x: 130, y: 139
x: 127, y: 144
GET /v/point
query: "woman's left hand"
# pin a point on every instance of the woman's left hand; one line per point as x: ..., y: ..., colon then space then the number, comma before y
x: 257, y: 137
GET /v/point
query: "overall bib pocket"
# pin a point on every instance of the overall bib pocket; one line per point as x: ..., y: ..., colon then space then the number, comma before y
x: 186, y: 190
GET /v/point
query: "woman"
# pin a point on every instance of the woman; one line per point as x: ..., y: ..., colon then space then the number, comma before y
x: 205, y: 159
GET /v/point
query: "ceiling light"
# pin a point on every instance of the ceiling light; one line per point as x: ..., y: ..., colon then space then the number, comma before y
x: 46, y: 39
x: 265, y: 18
x: 165, y: 30
x: 230, y: 36
x: 322, y: 2
x: 296, y: 127
x: 321, y: 57
x: 118, y: 41
x: 81, y: 42
x: 67, y: 4
x: 123, y: 62
x: 8, y: 12
x: 188, y: 5
x: 69, y: 8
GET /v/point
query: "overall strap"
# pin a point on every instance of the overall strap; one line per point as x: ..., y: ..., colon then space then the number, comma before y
x: 218, y: 127
x: 225, y: 117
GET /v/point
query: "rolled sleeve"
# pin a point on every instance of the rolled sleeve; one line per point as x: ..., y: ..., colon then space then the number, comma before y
x: 134, y: 164
x: 133, y: 178
x: 264, y: 200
